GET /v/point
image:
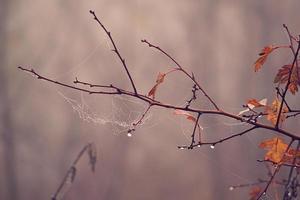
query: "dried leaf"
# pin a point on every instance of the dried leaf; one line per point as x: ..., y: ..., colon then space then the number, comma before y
x: 253, y: 103
x: 92, y: 156
x: 254, y: 192
x: 186, y: 114
x: 263, y: 55
x: 282, y: 77
x: 160, y: 79
x: 276, y: 149
x: 153, y: 91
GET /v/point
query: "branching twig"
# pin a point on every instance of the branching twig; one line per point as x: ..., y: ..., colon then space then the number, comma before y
x: 212, y: 144
x: 183, y: 70
x: 194, y: 132
x: 116, y: 50
x: 120, y: 91
x: 277, y: 168
x: 71, y: 173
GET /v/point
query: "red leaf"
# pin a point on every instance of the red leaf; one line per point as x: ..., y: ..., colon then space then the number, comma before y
x: 160, y: 79
x: 283, y: 74
x: 186, y: 114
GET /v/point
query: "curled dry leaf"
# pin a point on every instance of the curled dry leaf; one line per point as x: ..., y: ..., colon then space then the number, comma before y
x: 253, y: 103
x: 263, y: 55
x: 283, y: 74
x: 273, y: 112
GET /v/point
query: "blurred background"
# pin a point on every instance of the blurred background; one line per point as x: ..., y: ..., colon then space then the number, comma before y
x: 44, y: 126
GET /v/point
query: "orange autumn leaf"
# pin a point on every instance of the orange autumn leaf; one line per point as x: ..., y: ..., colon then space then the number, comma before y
x: 186, y: 114
x: 160, y: 78
x: 254, y: 192
x: 273, y: 112
x: 263, y: 55
x: 283, y: 76
x: 276, y: 149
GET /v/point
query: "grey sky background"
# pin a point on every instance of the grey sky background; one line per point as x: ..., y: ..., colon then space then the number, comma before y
x: 42, y: 131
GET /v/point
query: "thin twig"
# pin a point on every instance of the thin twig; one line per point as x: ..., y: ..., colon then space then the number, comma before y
x: 183, y: 70
x: 71, y: 173
x: 194, y: 131
x: 277, y: 168
x: 115, y: 50
x: 213, y: 144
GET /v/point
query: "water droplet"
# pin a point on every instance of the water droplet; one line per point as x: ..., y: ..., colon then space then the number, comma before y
x: 129, y: 134
x: 198, y: 145
x: 212, y: 146
x: 181, y: 148
x: 231, y: 188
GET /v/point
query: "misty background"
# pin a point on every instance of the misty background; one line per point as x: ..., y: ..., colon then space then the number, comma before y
x: 44, y: 126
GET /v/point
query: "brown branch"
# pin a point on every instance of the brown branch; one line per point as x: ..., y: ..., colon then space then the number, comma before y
x: 213, y: 144
x: 142, y: 116
x: 115, y: 50
x: 38, y: 76
x: 194, y: 132
x: 145, y: 98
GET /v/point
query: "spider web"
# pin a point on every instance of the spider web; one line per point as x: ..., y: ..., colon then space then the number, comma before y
x: 124, y: 113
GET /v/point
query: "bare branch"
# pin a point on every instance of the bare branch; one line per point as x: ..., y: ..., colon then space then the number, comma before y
x: 213, y: 144
x: 116, y: 51
x: 191, y: 76
x: 71, y: 173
